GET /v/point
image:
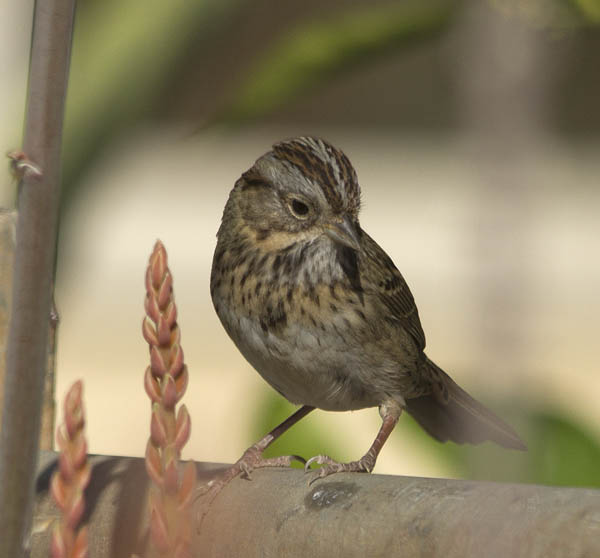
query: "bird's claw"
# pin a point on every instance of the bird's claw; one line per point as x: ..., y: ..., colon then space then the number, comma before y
x: 331, y: 466
x: 252, y: 461
x: 319, y: 460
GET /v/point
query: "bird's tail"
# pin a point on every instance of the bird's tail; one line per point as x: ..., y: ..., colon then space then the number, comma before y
x: 450, y: 413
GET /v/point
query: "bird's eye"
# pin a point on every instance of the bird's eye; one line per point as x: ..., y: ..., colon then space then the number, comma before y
x: 299, y: 208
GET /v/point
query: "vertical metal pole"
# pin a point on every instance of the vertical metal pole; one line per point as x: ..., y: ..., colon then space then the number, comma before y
x: 34, y: 265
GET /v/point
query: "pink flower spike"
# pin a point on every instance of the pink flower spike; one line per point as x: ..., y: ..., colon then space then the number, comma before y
x: 158, y: 263
x: 148, y: 284
x: 181, y: 382
x: 188, y: 485
x: 73, y: 421
x: 85, y: 475
x: 61, y: 441
x: 76, y: 510
x: 171, y: 476
x: 158, y: 431
x: 151, y: 307
x: 169, y: 395
x: 183, y: 428
x: 171, y: 313
x: 158, y: 530
x: 71, y: 478
x: 149, y: 332
x: 176, y: 361
x: 73, y: 398
x: 80, y: 453
x: 65, y: 465
x: 73, y: 409
x: 57, y: 489
x: 165, y: 291
x: 163, y: 332
x: 152, y: 386
x: 165, y: 381
x: 175, y: 336
x: 80, y: 548
x: 153, y: 464
x: 157, y: 362
x: 58, y: 548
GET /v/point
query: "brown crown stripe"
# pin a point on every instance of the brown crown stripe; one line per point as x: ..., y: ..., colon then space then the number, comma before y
x: 253, y: 178
x: 301, y: 153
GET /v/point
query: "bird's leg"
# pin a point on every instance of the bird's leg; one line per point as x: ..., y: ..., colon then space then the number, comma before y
x: 252, y: 458
x: 390, y: 413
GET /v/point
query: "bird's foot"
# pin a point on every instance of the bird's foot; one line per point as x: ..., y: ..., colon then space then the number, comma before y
x: 364, y: 465
x: 251, y: 459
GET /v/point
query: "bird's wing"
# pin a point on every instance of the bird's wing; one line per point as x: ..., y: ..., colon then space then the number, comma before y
x: 382, y: 278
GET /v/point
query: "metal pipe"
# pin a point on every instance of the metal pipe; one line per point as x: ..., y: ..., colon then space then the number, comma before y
x: 8, y: 224
x: 276, y: 514
x: 27, y: 347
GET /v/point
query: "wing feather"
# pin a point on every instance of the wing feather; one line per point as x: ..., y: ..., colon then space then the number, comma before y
x: 388, y: 285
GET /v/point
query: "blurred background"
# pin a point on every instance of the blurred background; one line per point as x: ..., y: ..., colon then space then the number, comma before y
x: 474, y: 127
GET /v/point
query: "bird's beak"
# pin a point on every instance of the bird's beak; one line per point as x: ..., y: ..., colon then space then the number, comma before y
x: 344, y: 232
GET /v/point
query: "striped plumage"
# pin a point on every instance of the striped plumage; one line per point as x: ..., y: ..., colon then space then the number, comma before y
x: 325, y: 166
x: 320, y: 310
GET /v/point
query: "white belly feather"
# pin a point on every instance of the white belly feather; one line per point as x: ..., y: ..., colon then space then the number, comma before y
x: 303, y: 365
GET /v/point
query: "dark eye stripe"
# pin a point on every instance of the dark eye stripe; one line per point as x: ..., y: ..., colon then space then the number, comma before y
x: 252, y: 178
x: 256, y: 182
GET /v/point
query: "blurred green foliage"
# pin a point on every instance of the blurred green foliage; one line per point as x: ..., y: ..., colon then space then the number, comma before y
x: 589, y: 8
x: 313, y: 52
x: 124, y: 51
x: 560, y: 451
x: 124, y: 54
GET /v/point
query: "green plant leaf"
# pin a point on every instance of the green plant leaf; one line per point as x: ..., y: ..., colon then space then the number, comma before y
x: 590, y: 9
x: 312, y: 51
x: 560, y: 452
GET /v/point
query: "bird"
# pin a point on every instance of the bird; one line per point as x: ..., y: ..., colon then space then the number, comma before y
x: 321, y: 312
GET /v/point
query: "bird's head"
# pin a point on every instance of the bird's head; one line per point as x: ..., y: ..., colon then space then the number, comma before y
x: 303, y: 189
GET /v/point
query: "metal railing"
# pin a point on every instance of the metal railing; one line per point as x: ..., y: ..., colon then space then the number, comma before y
x: 277, y: 514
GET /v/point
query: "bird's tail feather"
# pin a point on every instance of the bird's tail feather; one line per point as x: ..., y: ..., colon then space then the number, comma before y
x: 450, y: 413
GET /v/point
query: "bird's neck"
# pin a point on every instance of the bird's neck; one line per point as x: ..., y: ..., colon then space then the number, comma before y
x: 280, y: 257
